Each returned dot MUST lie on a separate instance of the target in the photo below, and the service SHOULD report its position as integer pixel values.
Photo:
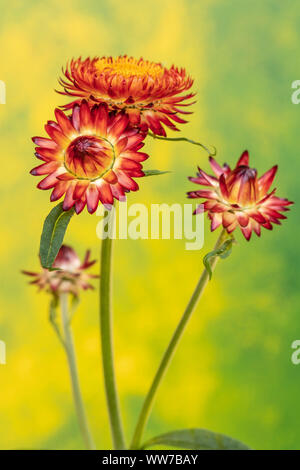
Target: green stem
(184, 139)
(166, 359)
(70, 351)
(107, 344)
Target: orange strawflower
(69, 275)
(237, 198)
(148, 92)
(91, 156)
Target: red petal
(64, 122)
(126, 181)
(244, 159)
(59, 190)
(223, 186)
(242, 218)
(44, 142)
(110, 177)
(202, 193)
(101, 117)
(136, 156)
(76, 118)
(118, 127)
(127, 164)
(265, 181)
(92, 198)
(105, 193)
(217, 169)
(80, 189)
(117, 191)
(228, 219)
(85, 117)
(57, 136)
(80, 205)
(69, 201)
(247, 231)
(257, 216)
(216, 221)
(45, 168)
(48, 182)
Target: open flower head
(238, 198)
(149, 93)
(69, 274)
(90, 156)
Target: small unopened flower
(91, 156)
(238, 198)
(69, 274)
(148, 92)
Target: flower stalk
(71, 357)
(107, 342)
(168, 355)
(184, 139)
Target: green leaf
(196, 439)
(54, 229)
(154, 172)
(223, 251)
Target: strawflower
(65, 281)
(149, 93)
(68, 274)
(238, 198)
(91, 156)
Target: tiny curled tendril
(185, 139)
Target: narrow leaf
(196, 439)
(154, 172)
(54, 229)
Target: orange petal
(110, 177)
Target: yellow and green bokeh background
(232, 372)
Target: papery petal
(68, 200)
(266, 180)
(247, 231)
(217, 169)
(64, 123)
(92, 198)
(126, 181)
(244, 159)
(105, 193)
(216, 221)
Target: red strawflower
(237, 198)
(148, 92)
(69, 275)
(91, 156)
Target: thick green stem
(107, 345)
(166, 359)
(70, 351)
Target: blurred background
(232, 372)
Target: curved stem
(107, 343)
(70, 351)
(183, 139)
(166, 359)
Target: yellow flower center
(128, 67)
(89, 157)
